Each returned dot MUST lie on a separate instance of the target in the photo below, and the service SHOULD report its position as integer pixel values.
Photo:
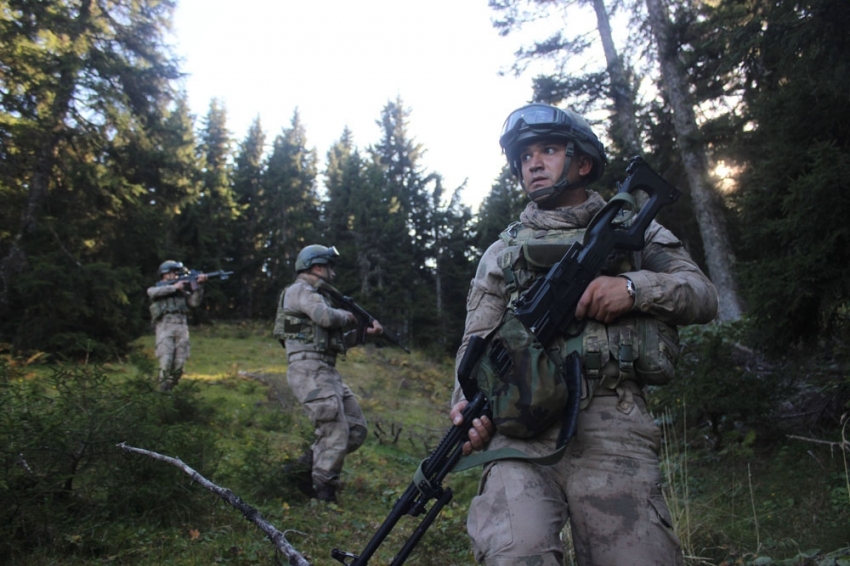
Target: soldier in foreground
(607, 483)
(312, 330)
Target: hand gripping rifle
(192, 278)
(364, 319)
(546, 309)
(427, 483)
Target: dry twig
(278, 538)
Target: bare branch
(278, 538)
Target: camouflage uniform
(312, 346)
(608, 484)
(168, 311)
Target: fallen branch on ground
(278, 538)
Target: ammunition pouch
(172, 304)
(523, 381)
(636, 347)
(297, 326)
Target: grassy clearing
(752, 503)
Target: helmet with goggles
(171, 265)
(315, 255)
(536, 122)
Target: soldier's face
(325, 272)
(542, 165)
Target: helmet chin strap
(546, 196)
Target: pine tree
(795, 64)
(248, 242)
(719, 255)
(502, 206)
(93, 140)
(401, 261)
(290, 205)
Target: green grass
(753, 503)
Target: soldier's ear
(585, 165)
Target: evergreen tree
(796, 154)
(403, 272)
(708, 207)
(248, 241)
(206, 225)
(454, 269)
(354, 213)
(502, 206)
(94, 142)
(339, 186)
(290, 205)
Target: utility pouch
(329, 341)
(523, 381)
(156, 310)
(635, 347)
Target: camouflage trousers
(172, 348)
(607, 485)
(340, 427)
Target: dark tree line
(758, 85)
(104, 173)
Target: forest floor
(783, 501)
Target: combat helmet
(169, 266)
(543, 121)
(315, 255)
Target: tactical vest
(299, 327)
(636, 347)
(174, 303)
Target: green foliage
(60, 467)
(233, 419)
(793, 195)
(717, 384)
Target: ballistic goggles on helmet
(540, 119)
(330, 254)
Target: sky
(339, 62)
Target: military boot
(301, 472)
(325, 492)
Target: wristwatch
(630, 288)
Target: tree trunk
(712, 226)
(626, 132)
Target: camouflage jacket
(302, 300)
(668, 283)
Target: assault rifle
(427, 483)
(546, 309)
(192, 277)
(364, 319)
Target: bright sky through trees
(340, 61)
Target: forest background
(104, 173)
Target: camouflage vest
(299, 327)
(532, 395)
(174, 303)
